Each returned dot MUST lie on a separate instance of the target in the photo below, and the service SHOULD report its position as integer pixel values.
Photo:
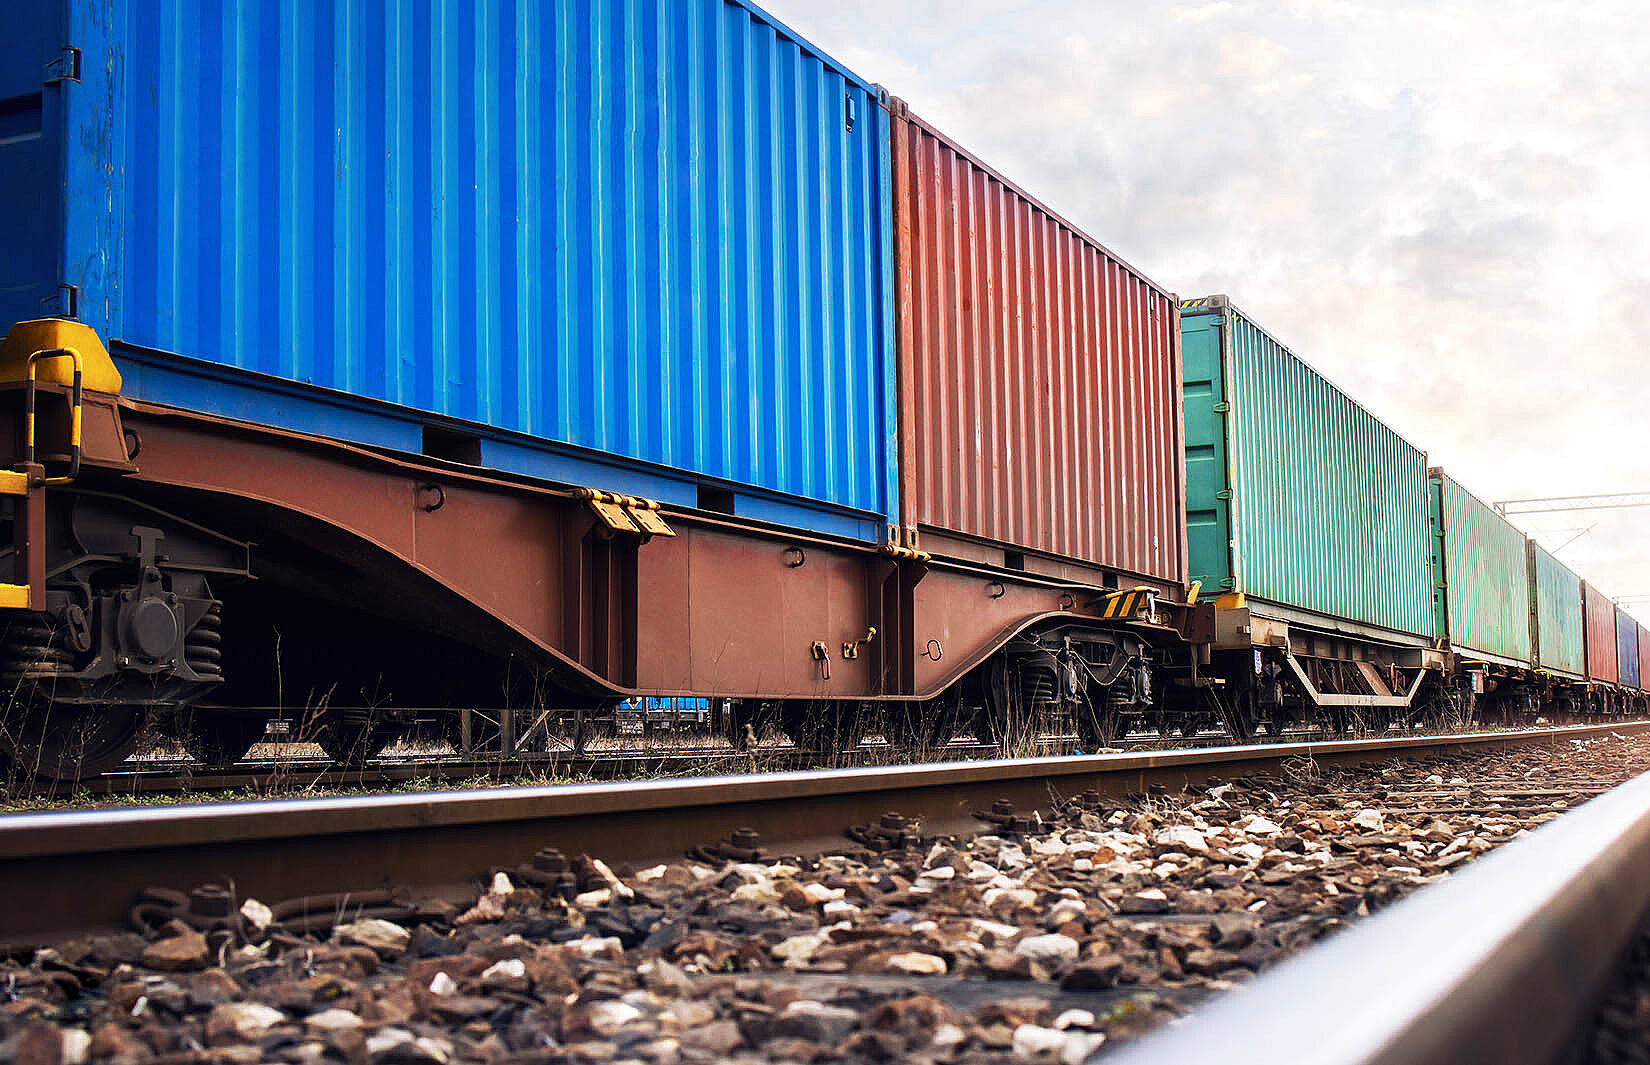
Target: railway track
(1536, 954)
(273, 776)
(80, 870)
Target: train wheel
(223, 737)
(62, 741)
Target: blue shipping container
(578, 229)
(1627, 649)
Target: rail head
(39, 834)
(1502, 962)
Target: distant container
(1627, 649)
(635, 245)
(1601, 635)
(1039, 372)
(1298, 497)
(1559, 627)
(1644, 657)
(1481, 566)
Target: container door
(1208, 472)
(33, 67)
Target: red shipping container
(1601, 634)
(1039, 376)
(1644, 658)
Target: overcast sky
(1445, 211)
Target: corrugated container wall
(1561, 638)
(1627, 649)
(1644, 657)
(1039, 373)
(1482, 569)
(1601, 634)
(658, 231)
(1297, 495)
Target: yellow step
(14, 597)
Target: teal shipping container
(1556, 617)
(1481, 568)
(1297, 496)
(640, 246)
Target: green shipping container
(1297, 496)
(1555, 606)
(1482, 569)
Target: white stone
(257, 914)
(592, 945)
(1019, 896)
(948, 1035)
(796, 950)
(1052, 947)
(602, 896)
(995, 929)
(1082, 865)
(654, 873)
(507, 970)
(501, 885)
(1369, 818)
(1069, 910)
(1080, 1046)
(941, 872)
(760, 892)
(1052, 846)
(1253, 852)
(375, 933)
(1181, 836)
(248, 1020)
(620, 888)
(838, 909)
(443, 985)
(333, 1020)
(821, 893)
(1260, 826)
(917, 964)
(609, 1015)
(76, 1045)
(981, 871)
(1032, 1041)
(1074, 1019)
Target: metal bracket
(821, 654)
(1322, 699)
(851, 650)
(66, 67)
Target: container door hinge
(66, 67)
(1222, 408)
(850, 111)
(64, 303)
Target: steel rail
(1504, 962)
(64, 874)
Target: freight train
(392, 363)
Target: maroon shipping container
(1601, 634)
(1644, 658)
(1039, 376)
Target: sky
(1445, 208)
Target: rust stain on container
(1039, 373)
(1601, 634)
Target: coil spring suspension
(1037, 685)
(203, 647)
(28, 653)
